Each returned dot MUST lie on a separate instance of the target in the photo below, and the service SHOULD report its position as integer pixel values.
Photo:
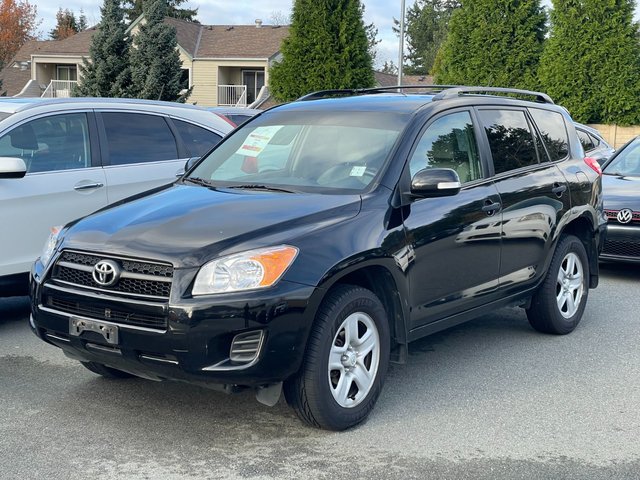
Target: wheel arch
(380, 279)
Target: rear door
(533, 191)
(63, 182)
(455, 240)
(139, 152)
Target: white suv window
(57, 142)
(138, 138)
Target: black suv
(317, 240)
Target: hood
(621, 192)
(188, 225)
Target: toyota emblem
(625, 216)
(106, 273)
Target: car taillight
(593, 164)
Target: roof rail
(459, 91)
(364, 91)
(327, 94)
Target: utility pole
(401, 49)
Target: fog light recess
(245, 347)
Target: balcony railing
(232, 95)
(59, 88)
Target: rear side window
(138, 138)
(554, 133)
(510, 139)
(586, 141)
(198, 140)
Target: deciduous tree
(493, 42)
(591, 62)
(327, 48)
(17, 25)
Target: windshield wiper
(257, 186)
(199, 181)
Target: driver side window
(449, 142)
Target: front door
(455, 240)
(254, 81)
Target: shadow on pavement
(13, 308)
(628, 271)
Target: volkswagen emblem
(625, 215)
(106, 273)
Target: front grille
(138, 277)
(612, 216)
(621, 248)
(109, 314)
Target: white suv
(61, 159)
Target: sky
(245, 12)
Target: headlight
(50, 245)
(249, 270)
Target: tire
(105, 371)
(559, 303)
(351, 330)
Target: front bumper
(622, 243)
(194, 344)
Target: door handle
(490, 207)
(559, 189)
(88, 186)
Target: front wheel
(345, 363)
(559, 303)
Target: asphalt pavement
(490, 399)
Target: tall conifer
(591, 63)
(155, 62)
(493, 43)
(106, 73)
(327, 48)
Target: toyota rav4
(314, 243)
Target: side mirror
(11, 167)
(435, 182)
(188, 164)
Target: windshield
(304, 151)
(4, 115)
(627, 162)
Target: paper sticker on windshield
(357, 171)
(257, 140)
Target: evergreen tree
(326, 48)
(591, 62)
(82, 21)
(493, 42)
(107, 73)
(134, 8)
(155, 62)
(427, 24)
(66, 25)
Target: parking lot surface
(485, 400)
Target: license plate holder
(108, 331)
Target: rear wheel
(559, 303)
(345, 363)
(105, 371)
